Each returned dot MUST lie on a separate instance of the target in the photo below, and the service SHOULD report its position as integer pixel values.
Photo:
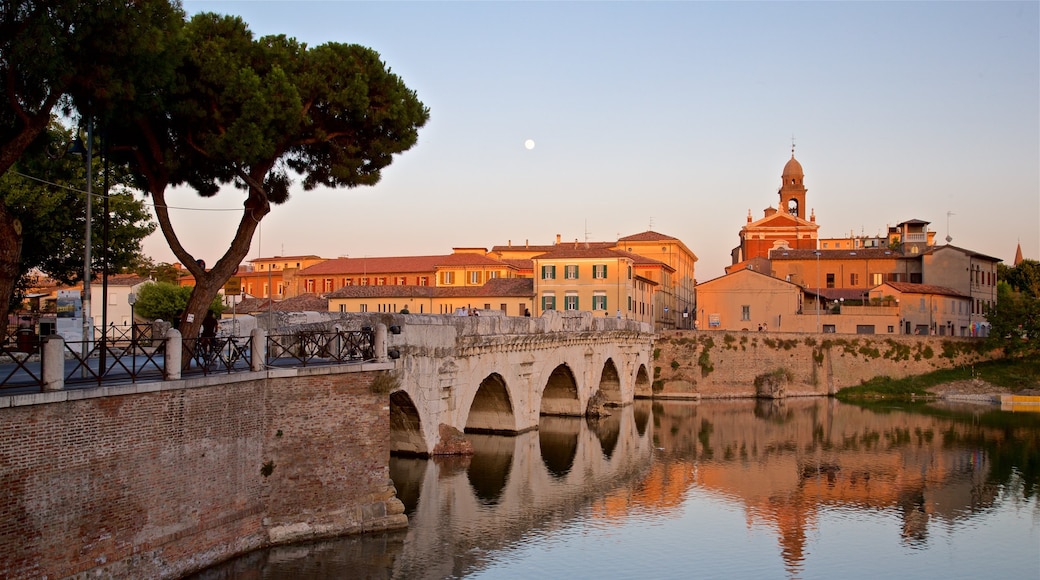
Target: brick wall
(724, 364)
(138, 482)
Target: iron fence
(136, 356)
(314, 347)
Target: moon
(529, 144)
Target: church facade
(784, 226)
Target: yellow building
(596, 279)
(675, 300)
(658, 258)
(511, 296)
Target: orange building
(785, 227)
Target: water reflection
(721, 472)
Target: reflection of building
(784, 462)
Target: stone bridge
(496, 374)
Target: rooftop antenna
(948, 237)
(587, 232)
(651, 223)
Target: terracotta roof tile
(911, 288)
(647, 236)
(396, 264)
(564, 251)
(520, 287)
(302, 303)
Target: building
(786, 227)
(660, 258)
(596, 279)
(275, 277)
(510, 296)
(461, 269)
(928, 309)
(967, 273)
(747, 300)
(841, 274)
(676, 297)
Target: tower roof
(793, 168)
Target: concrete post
(258, 352)
(174, 355)
(53, 359)
(379, 343)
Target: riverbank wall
(161, 480)
(720, 364)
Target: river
(803, 488)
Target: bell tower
(792, 188)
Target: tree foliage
(52, 213)
(166, 301)
(257, 114)
(201, 103)
(95, 56)
(1015, 318)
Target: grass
(1014, 374)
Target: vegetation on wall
(385, 382)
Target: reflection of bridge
(499, 375)
(529, 481)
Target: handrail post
(174, 354)
(379, 343)
(53, 363)
(258, 352)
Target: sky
(671, 116)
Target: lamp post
(88, 151)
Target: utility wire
(102, 195)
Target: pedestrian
(209, 330)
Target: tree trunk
(10, 257)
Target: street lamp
(88, 319)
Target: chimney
(557, 239)
(509, 243)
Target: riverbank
(987, 380)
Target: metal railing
(137, 356)
(308, 347)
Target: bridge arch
(491, 410)
(558, 444)
(643, 387)
(406, 436)
(610, 384)
(560, 394)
